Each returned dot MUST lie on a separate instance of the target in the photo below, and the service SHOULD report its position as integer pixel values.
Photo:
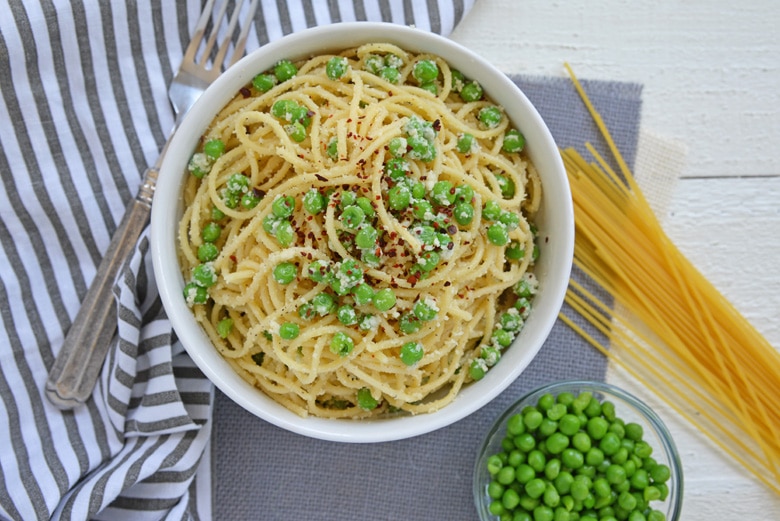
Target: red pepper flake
(452, 229)
(437, 125)
(245, 92)
(321, 177)
(233, 258)
(447, 283)
(412, 279)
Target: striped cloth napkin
(84, 110)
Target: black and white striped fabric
(83, 111)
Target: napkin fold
(84, 110)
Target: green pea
(341, 344)
(336, 67)
(551, 496)
(610, 443)
(347, 315)
(365, 400)
(285, 272)
(373, 63)
(211, 232)
(296, 131)
(207, 251)
(533, 419)
(283, 108)
(306, 311)
(421, 147)
(602, 488)
(660, 473)
(640, 479)
(396, 168)
(264, 82)
(224, 327)
(491, 210)
(289, 330)
(390, 74)
(524, 441)
(425, 310)
(497, 234)
(199, 165)
(514, 251)
(384, 299)
(471, 91)
(569, 424)
(634, 431)
(284, 70)
(397, 146)
(204, 275)
(597, 427)
(408, 323)
(465, 144)
(431, 87)
(556, 411)
(323, 304)
(425, 70)
(411, 353)
(214, 148)
(506, 185)
(572, 458)
(363, 294)
(352, 217)
(418, 190)
(428, 261)
(283, 206)
(314, 202)
(249, 200)
(195, 294)
(502, 337)
(217, 214)
(457, 80)
(615, 474)
(535, 488)
(581, 441)
(319, 271)
(510, 321)
(594, 457)
(443, 193)
(477, 369)
(399, 197)
(490, 116)
(514, 141)
(556, 443)
(563, 481)
(285, 235)
(366, 237)
(422, 210)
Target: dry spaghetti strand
(701, 356)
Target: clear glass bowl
(627, 407)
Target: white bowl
(555, 222)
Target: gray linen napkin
(263, 472)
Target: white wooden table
(711, 76)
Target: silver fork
(73, 376)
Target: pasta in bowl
(361, 230)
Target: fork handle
(75, 371)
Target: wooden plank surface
(710, 72)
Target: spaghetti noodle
(690, 345)
(357, 235)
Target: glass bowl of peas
(578, 451)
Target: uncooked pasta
(357, 236)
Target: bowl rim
(164, 216)
(668, 446)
